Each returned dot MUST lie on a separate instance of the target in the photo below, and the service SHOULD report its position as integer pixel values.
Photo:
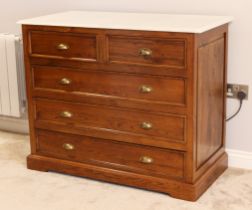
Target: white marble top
(131, 21)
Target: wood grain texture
(208, 40)
(164, 90)
(113, 135)
(164, 52)
(45, 44)
(107, 153)
(186, 107)
(103, 50)
(210, 99)
(174, 188)
(110, 119)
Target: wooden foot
(31, 164)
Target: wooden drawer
(121, 122)
(161, 90)
(111, 154)
(139, 50)
(63, 45)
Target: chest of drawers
(135, 107)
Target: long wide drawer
(122, 122)
(162, 90)
(122, 156)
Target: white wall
(239, 136)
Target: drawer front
(163, 90)
(107, 153)
(147, 51)
(125, 122)
(63, 45)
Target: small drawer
(63, 45)
(128, 157)
(122, 122)
(157, 52)
(161, 90)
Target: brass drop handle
(65, 81)
(145, 89)
(63, 46)
(66, 114)
(145, 52)
(68, 146)
(146, 159)
(146, 125)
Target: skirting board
(14, 125)
(239, 159)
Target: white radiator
(12, 84)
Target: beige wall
(240, 53)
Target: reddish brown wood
(165, 90)
(113, 135)
(172, 187)
(46, 44)
(111, 154)
(210, 99)
(109, 100)
(187, 106)
(126, 122)
(103, 49)
(164, 52)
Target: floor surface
(23, 189)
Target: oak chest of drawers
(136, 107)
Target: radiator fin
(12, 88)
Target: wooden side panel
(211, 77)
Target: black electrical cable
(240, 95)
(236, 113)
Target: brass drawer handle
(146, 159)
(66, 114)
(68, 146)
(63, 46)
(145, 52)
(146, 125)
(145, 89)
(65, 81)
